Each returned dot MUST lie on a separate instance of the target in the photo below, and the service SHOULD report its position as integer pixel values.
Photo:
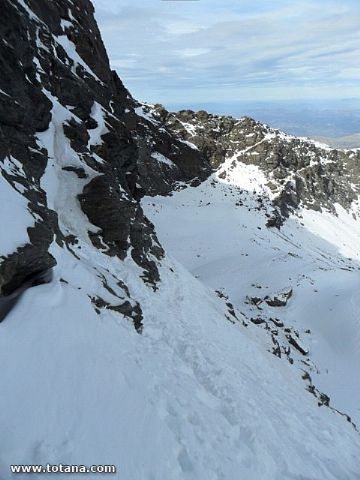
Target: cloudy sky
(225, 50)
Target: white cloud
(192, 52)
(241, 48)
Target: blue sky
(233, 50)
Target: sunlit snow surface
(229, 248)
(194, 396)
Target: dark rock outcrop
(63, 111)
(300, 172)
(8, 301)
(280, 299)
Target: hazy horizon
(311, 118)
(292, 64)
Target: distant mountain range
(336, 122)
(347, 142)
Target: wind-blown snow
(71, 52)
(146, 115)
(189, 144)
(97, 113)
(159, 157)
(62, 187)
(65, 24)
(247, 177)
(28, 10)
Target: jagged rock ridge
(300, 172)
(57, 89)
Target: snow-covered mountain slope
(74, 141)
(218, 232)
(196, 396)
(128, 356)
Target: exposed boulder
(280, 299)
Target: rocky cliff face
(75, 144)
(300, 172)
(72, 139)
